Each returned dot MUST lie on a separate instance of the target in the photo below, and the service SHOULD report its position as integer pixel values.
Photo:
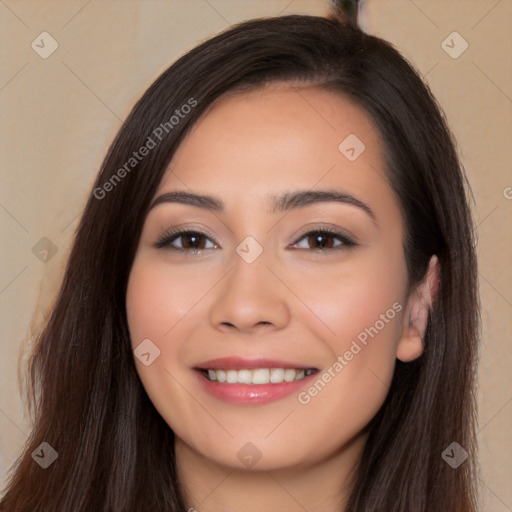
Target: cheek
(157, 299)
(358, 313)
(346, 301)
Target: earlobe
(410, 345)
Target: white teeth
(232, 376)
(258, 376)
(276, 375)
(244, 376)
(289, 375)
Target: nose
(250, 297)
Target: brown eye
(190, 241)
(322, 240)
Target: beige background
(59, 114)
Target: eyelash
(174, 233)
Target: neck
(211, 487)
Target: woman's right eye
(191, 241)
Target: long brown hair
(115, 452)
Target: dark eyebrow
(299, 199)
(286, 202)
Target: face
(267, 320)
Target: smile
(257, 376)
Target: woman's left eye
(324, 239)
(195, 241)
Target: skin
(293, 305)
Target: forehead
(277, 138)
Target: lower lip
(251, 394)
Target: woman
(271, 300)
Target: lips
(239, 363)
(252, 381)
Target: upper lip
(239, 363)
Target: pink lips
(239, 363)
(249, 394)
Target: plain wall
(59, 114)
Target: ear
(419, 303)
